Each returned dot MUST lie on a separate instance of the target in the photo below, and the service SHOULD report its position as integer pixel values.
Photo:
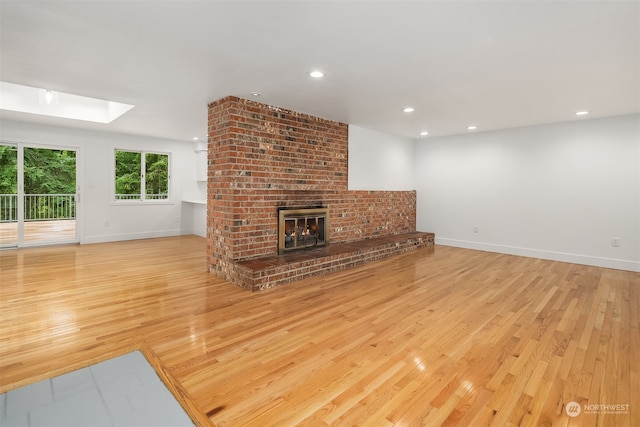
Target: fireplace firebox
(302, 228)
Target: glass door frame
(14, 243)
(20, 146)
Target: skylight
(26, 99)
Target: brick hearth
(263, 157)
(267, 272)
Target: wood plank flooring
(438, 336)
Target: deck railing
(8, 207)
(38, 207)
(161, 196)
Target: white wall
(378, 161)
(558, 191)
(100, 218)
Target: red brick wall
(263, 157)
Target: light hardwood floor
(440, 336)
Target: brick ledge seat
(268, 272)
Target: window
(141, 176)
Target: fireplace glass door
(302, 229)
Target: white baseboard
(618, 264)
(104, 238)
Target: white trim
(104, 238)
(618, 264)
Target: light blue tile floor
(124, 391)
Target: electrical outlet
(476, 228)
(615, 242)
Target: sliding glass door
(38, 200)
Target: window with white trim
(141, 175)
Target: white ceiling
(496, 64)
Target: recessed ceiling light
(424, 133)
(581, 113)
(26, 99)
(255, 94)
(472, 127)
(195, 138)
(316, 74)
(408, 109)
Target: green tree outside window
(141, 176)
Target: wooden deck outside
(54, 231)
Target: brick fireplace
(263, 158)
